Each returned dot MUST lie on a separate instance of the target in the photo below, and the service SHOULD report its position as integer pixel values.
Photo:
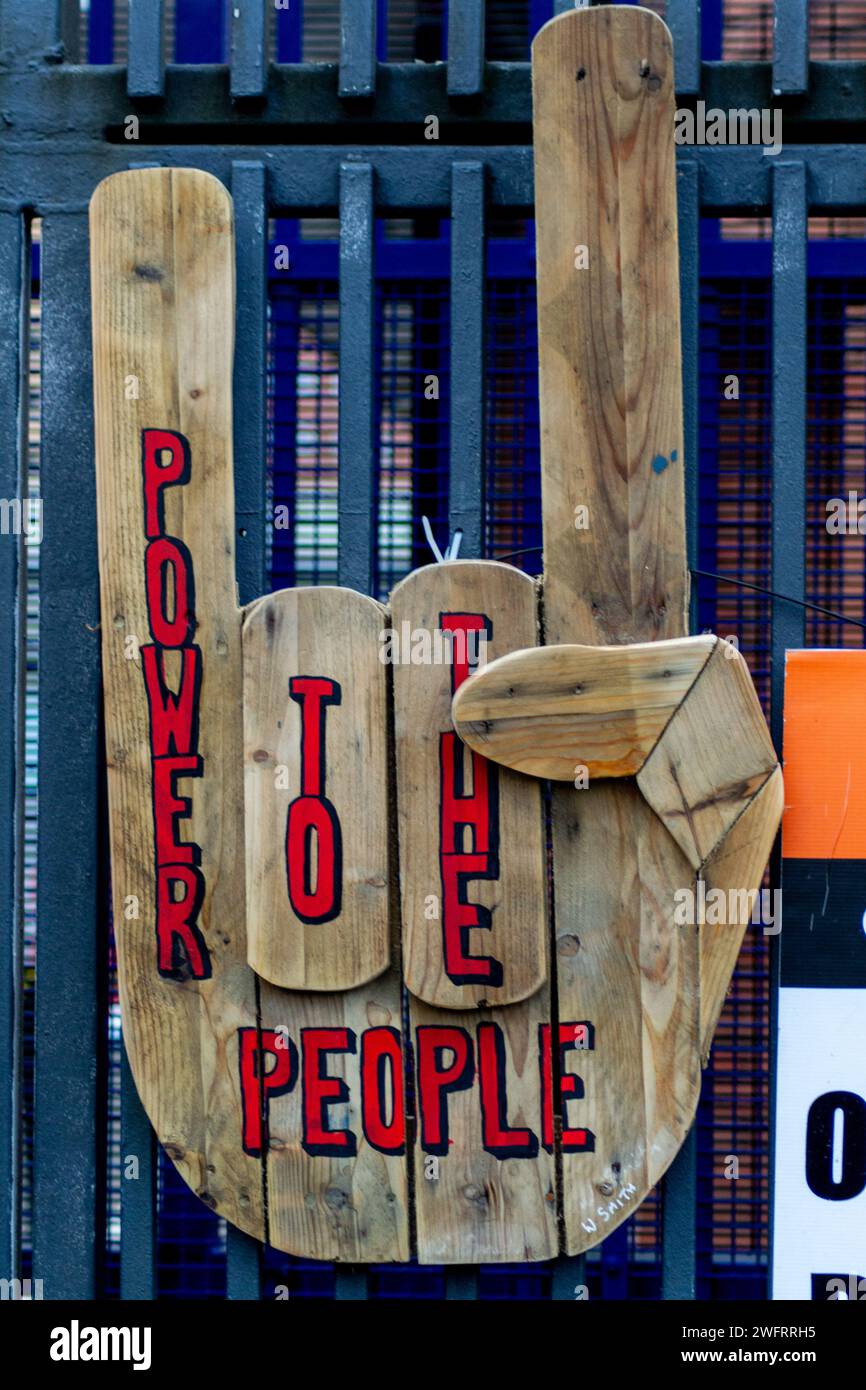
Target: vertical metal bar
(145, 69)
(29, 30)
(248, 49)
(790, 324)
(357, 48)
(790, 383)
(461, 1283)
(568, 1282)
(242, 1266)
(357, 522)
(465, 47)
(679, 1191)
(466, 481)
(71, 898)
(70, 32)
(350, 1283)
(790, 47)
(679, 1197)
(249, 191)
(688, 205)
(14, 292)
(683, 18)
(137, 1193)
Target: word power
(174, 716)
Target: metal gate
(446, 147)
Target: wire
(729, 579)
(785, 598)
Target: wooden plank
(609, 333)
(615, 570)
(550, 711)
(712, 758)
(163, 309)
(316, 789)
(336, 1163)
(738, 864)
(626, 968)
(495, 848)
(484, 1166)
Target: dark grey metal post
(357, 522)
(791, 47)
(72, 904)
(145, 66)
(248, 49)
(249, 193)
(466, 477)
(30, 30)
(137, 1193)
(789, 420)
(350, 1283)
(679, 1202)
(568, 1279)
(465, 47)
(461, 1283)
(14, 294)
(357, 48)
(688, 206)
(788, 575)
(683, 18)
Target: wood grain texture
(711, 759)
(163, 329)
(548, 710)
(624, 966)
(515, 897)
(609, 334)
(470, 1204)
(612, 443)
(737, 868)
(335, 1207)
(341, 937)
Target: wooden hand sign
(265, 879)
